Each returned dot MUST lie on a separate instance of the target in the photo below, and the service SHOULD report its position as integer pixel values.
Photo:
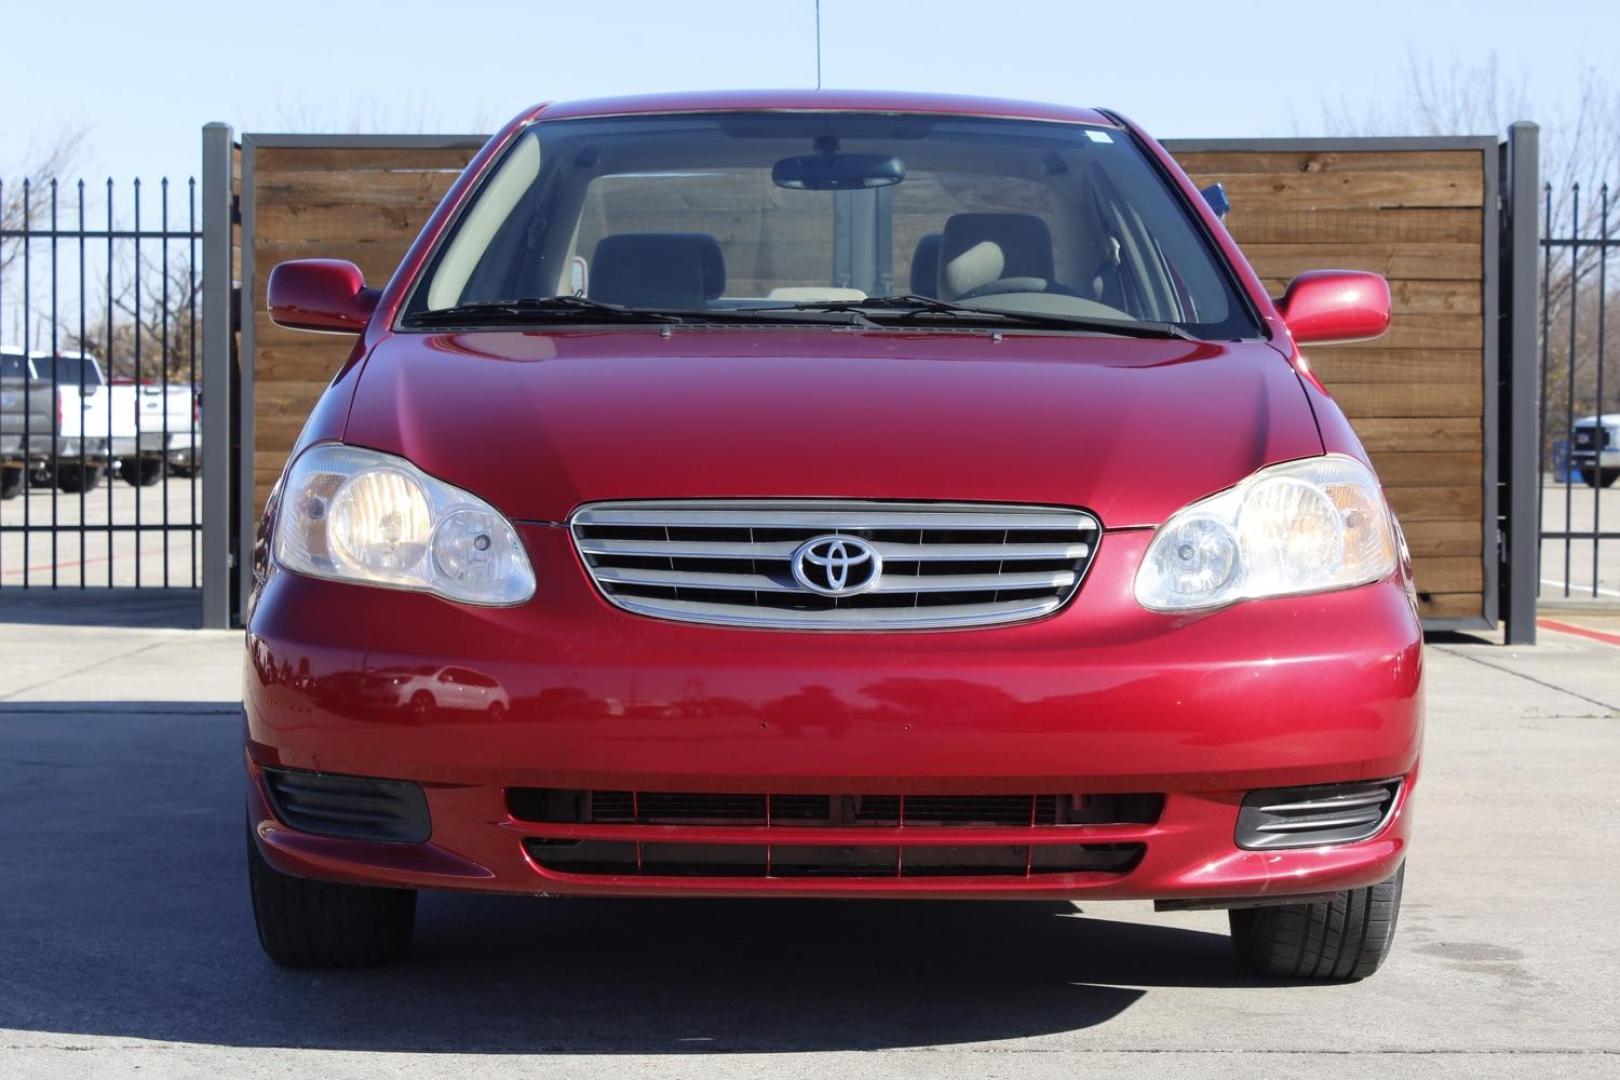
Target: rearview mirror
(326, 295)
(834, 171)
(1325, 307)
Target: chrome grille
(730, 562)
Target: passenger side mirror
(325, 295)
(1325, 307)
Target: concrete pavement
(126, 944)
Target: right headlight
(1300, 527)
(352, 514)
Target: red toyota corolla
(830, 495)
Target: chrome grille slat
(890, 583)
(794, 516)
(783, 549)
(902, 618)
(731, 562)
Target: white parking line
(1573, 588)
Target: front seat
(658, 270)
(980, 249)
(925, 266)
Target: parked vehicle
(1594, 452)
(796, 582)
(156, 430)
(53, 420)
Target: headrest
(977, 249)
(925, 266)
(658, 270)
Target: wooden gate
(1418, 211)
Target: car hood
(539, 423)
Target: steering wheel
(1020, 285)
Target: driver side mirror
(1325, 307)
(325, 295)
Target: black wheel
(1344, 938)
(1600, 477)
(77, 476)
(11, 481)
(321, 924)
(140, 472)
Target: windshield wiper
(912, 306)
(585, 310)
(535, 309)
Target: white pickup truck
(54, 415)
(154, 425)
(142, 428)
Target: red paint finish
(1326, 307)
(538, 423)
(1100, 697)
(327, 295)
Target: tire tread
(1345, 937)
(322, 924)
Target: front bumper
(1101, 697)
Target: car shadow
(123, 912)
(175, 608)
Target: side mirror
(327, 295)
(1325, 307)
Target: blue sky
(141, 78)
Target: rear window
(69, 370)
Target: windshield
(799, 211)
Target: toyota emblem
(837, 565)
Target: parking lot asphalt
(166, 544)
(126, 944)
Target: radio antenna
(818, 44)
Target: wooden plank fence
(1419, 397)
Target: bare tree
(27, 198)
(149, 327)
(1580, 154)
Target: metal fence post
(219, 330)
(1521, 413)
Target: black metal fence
(1580, 398)
(100, 334)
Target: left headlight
(351, 514)
(1299, 527)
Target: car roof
(822, 101)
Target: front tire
(1346, 937)
(11, 481)
(322, 924)
(140, 472)
(1600, 477)
(77, 476)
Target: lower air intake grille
(840, 565)
(1310, 816)
(561, 805)
(618, 858)
(680, 848)
(349, 807)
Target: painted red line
(45, 568)
(1579, 631)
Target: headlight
(352, 514)
(1300, 527)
